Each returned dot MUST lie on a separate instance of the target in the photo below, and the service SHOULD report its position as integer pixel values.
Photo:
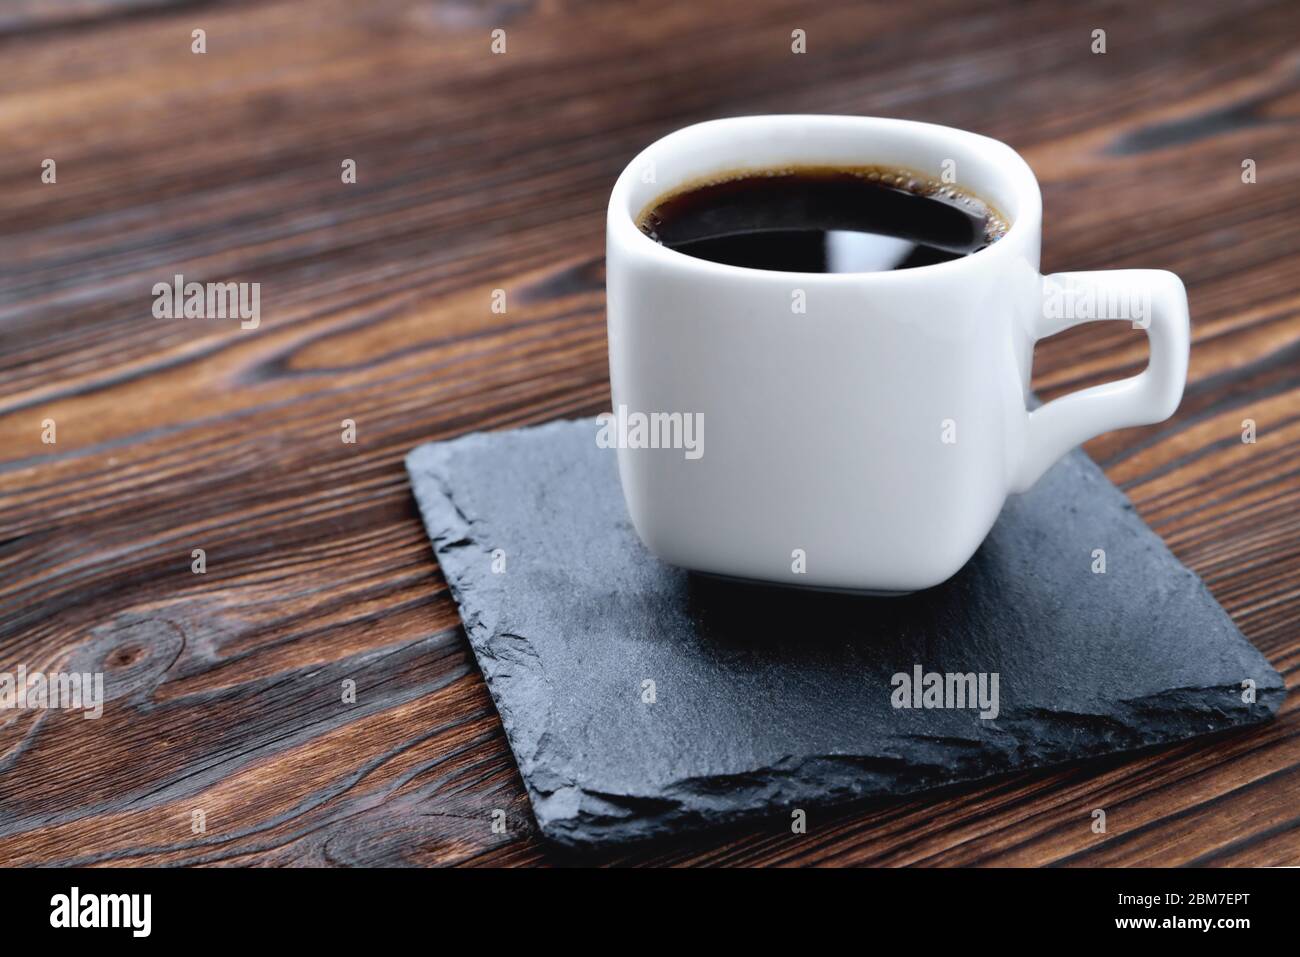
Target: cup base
(798, 586)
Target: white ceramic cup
(869, 441)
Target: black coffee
(816, 219)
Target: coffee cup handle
(1151, 396)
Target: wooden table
(478, 171)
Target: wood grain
(477, 172)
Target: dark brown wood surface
(478, 171)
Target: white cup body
(866, 442)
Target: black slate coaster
(768, 698)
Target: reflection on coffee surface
(823, 219)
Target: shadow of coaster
(767, 699)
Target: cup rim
(622, 227)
